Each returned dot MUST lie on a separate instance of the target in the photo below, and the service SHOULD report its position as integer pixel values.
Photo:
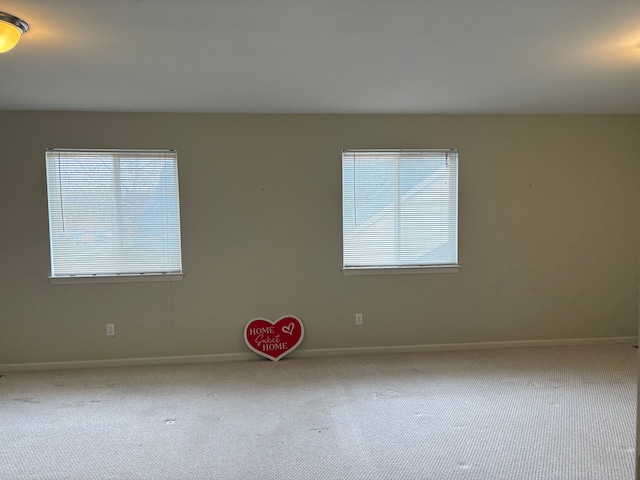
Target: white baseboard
(127, 362)
(318, 352)
(452, 347)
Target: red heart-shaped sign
(274, 340)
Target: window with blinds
(113, 212)
(400, 208)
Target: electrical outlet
(111, 330)
(358, 319)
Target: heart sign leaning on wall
(274, 340)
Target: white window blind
(400, 208)
(113, 212)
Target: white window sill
(165, 277)
(400, 270)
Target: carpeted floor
(539, 413)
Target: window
(113, 213)
(400, 209)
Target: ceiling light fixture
(11, 29)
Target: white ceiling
(325, 56)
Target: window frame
(401, 269)
(168, 276)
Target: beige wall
(548, 235)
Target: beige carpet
(539, 413)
